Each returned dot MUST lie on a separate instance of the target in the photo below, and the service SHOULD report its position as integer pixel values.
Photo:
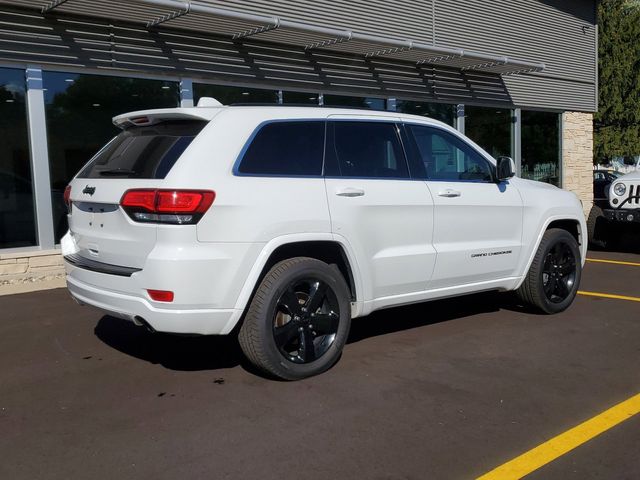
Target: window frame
(418, 164)
(247, 144)
(331, 162)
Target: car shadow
(423, 314)
(625, 242)
(175, 352)
(193, 353)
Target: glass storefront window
(79, 110)
(227, 95)
(541, 146)
(17, 214)
(490, 128)
(355, 102)
(300, 98)
(438, 111)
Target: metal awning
(189, 15)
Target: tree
(617, 123)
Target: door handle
(449, 193)
(349, 192)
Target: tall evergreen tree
(617, 123)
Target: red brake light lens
(180, 207)
(161, 295)
(67, 196)
(145, 199)
(140, 120)
(187, 202)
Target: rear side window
(294, 148)
(143, 152)
(367, 150)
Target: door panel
(389, 227)
(386, 217)
(477, 234)
(477, 222)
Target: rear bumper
(188, 321)
(623, 215)
(205, 278)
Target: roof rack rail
(311, 105)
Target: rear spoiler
(143, 118)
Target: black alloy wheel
(306, 320)
(553, 278)
(559, 272)
(298, 320)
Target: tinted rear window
(286, 148)
(143, 152)
(368, 150)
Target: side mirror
(505, 168)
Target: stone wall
(577, 156)
(23, 271)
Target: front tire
(298, 320)
(552, 281)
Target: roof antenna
(208, 102)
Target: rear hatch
(140, 157)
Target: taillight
(67, 197)
(184, 202)
(161, 295)
(178, 207)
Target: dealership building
(519, 77)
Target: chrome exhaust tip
(141, 322)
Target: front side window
(368, 150)
(446, 157)
(292, 148)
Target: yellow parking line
(608, 295)
(615, 262)
(565, 442)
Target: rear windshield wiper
(117, 171)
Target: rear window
(286, 148)
(143, 152)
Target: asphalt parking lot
(444, 390)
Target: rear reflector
(161, 295)
(67, 197)
(179, 207)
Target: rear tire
(298, 320)
(552, 281)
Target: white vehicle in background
(284, 223)
(624, 199)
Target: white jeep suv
(284, 223)
(624, 199)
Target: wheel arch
(324, 247)
(573, 224)
(570, 225)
